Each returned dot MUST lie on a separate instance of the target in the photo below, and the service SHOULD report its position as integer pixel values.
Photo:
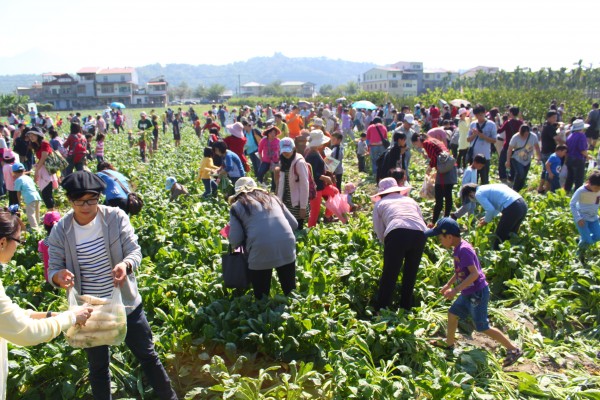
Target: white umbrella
(458, 102)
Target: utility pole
(239, 85)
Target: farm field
(324, 341)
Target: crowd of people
(283, 162)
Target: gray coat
(269, 234)
(119, 239)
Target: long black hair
(256, 196)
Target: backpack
(312, 186)
(79, 149)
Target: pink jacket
(298, 182)
(269, 154)
(9, 180)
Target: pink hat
(8, 154)
(51, 218)
(389, 185)
(236, 129)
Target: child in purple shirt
(473, 288)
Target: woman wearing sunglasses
(25, 327)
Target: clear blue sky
(59, 35)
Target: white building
(300, 89)
(434, 78)
(391, 80)
(116, 84)
(251, 89)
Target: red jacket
(236, 145)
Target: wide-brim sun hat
(236, 130)
(272, 128)
(36, 131)
(578, 125)
(389, 185)
(317, 138)
(244, 185)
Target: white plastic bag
(428, 188)
(107, 324)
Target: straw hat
(244, 185)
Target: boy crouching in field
(473, 288)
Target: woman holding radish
(92, 249)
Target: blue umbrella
(116, 104)
(364, 104)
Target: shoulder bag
(236, 274)
(471, 151)
(55, 162)
(384, 141)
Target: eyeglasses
(18, 240)
(81, 203)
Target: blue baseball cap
(446, 226)
(16, 167)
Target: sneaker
(511, 357)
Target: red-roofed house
(97, 87)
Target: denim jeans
(255, 163)
(474, 305)
(77, 166)
(264, 168)
(375, 152)
(210, 187)
(589, 233)
(502, 166)
(361, 163)
(545, 158)
(139, 341)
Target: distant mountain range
(265, 70)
